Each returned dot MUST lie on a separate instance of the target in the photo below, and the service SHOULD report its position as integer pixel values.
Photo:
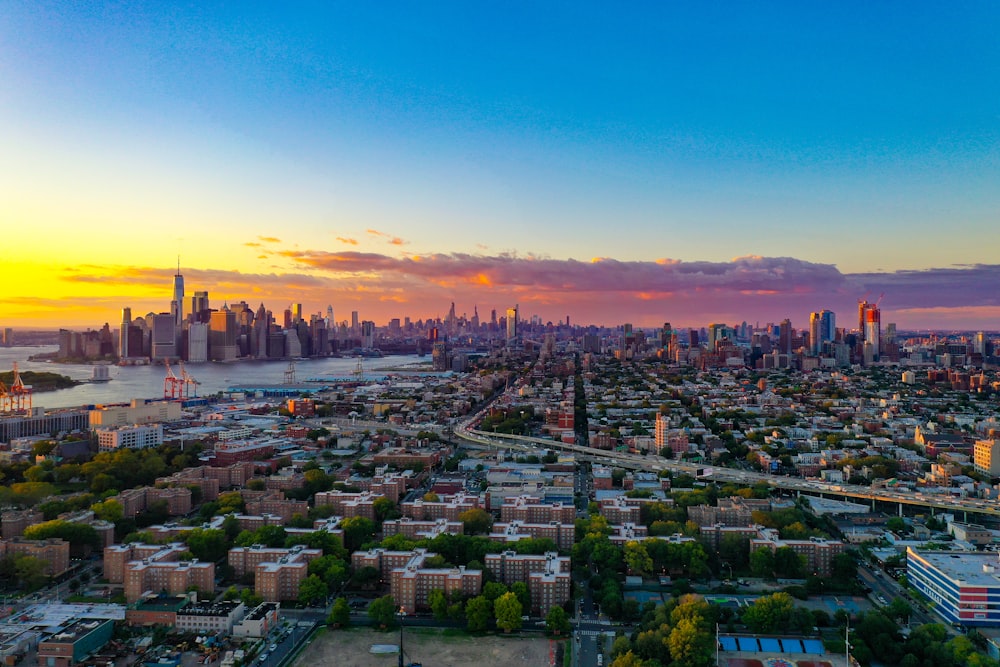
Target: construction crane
(190, 384)
(17, 398)
(173, 386)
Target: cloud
(348, 241)
(601, 290)
(743, 274)
(390, 239)
(269, 239)
(961, 286)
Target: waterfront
(128, 382)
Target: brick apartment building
(410, 582)
(420, 530)
(547, 576)
(277, 572)
(819, 553)
(13, 522)
(177, 577)
(54, 551)
(136, 501)
(285, 509)
(530, 509)
(402, 458)
(562, 534)
(448, 507)
(348, 504)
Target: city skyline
(642, 165)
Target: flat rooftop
(965, 567)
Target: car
(273, 647)
(263, 656)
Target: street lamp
(402, 615)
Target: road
(963, 506)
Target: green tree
(312, 590)
(637, 559)
(478, 612)
(385, 509)
(109, 510)
(30, 572)
(207, 544)
(340, 614)
(476, 521)
(493, 590)
(357, 531)
(762, 562)
(438, 602)
(81, 537)
(507, 610)
(769, 613)
(520, 589)
(557, 621)
(382, 611)
(788, 563)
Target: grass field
(350, 648)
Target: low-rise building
(74, 643)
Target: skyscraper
(815, 334)
(199, 307)
(222, 335)
(828, 326)
(785, 337)
(873, 329)
(177, 305)
(512, 323)
(123, 351)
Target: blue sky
(840, 133)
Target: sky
(606, 162)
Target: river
(128, 382)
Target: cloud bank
(602, 290)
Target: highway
(865, 494)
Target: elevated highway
(963, 507)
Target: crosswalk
(595, 633)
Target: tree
(493, 590)
(477, 521)
(768, 613)
(340, 614)
(637, 559)
(208, 544)
(557, 621)
(382, 611)
(312, 590)
(438, 602)
(385, 509)
(30, 571)
(507, 610)
(628, 659)
(109, 510)
(788, 563)
(357, 531)
(520, 589)
(896, 524)
(762, 562)
(690, 645)
(478, 612)
(81, 537)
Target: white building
(130, 437)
